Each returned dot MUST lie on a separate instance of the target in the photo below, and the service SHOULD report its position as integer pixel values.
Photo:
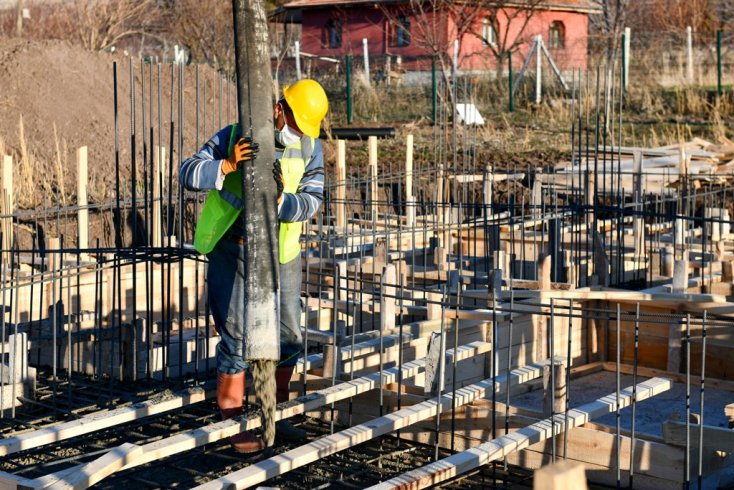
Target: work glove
(244, 150)
(278, 178)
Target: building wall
(373, 23)
(475, 55)
(357, 23)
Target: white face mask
(287, 136)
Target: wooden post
(667, 259)
(8, 205)
(341, 196)
(538, 69)
(372, 148)
(626, 47)
(439, 258)
(410, 212)
(675, 342)
(82, 199)
(366, 54)
(555, 399)
(561, 475)
(727, 271)
(570, 268)
(159, 184)
(297, 56)
(544, 273)
(639, 223)
(343, 276)
(729, 413)
(679, 233)
(689, 51)
(409, 198)
(409, 167)
(590, 192)
(439, 191)
(387, 298)
(487, 190)
(433, 305)
(17, 370)
(332, 365)
(536, 198)
(680, 274)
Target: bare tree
(101, 24)
(611, 24)
(205, 27)
(514, 17)
(508, 20)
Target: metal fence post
(348, 74)
(719, 88)
(511, 106)
(434, 90)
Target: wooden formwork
(510, 309)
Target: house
(402, 32)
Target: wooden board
(95, 471)
(102, 420)
(211, 433)
(308, 453)
(714, 438)
(483, 454)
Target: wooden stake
(341, 196)
(372, 148)
(8, 205)
(159, 185)
(81, 198)
(409, 167)
(555, 399)
(387, 298)
(544, 273)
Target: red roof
(585, 6)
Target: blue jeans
(226, 282)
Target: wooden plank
(340, 441)
(720, 384)
(341, 195)
(714, 438)
(102, 420)
(493, 450)
(213, 432)
(102, 467)
(597, 473)
(14, 482)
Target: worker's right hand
(243, 151)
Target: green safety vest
(222, 207)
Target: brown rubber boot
(284, 428)
(230, 392)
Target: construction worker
(299, 175)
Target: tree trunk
(254, 89)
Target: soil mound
(64, 95)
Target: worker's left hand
(278, 178)
(243, 151)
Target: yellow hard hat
(309, 104)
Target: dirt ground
(64, 95)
